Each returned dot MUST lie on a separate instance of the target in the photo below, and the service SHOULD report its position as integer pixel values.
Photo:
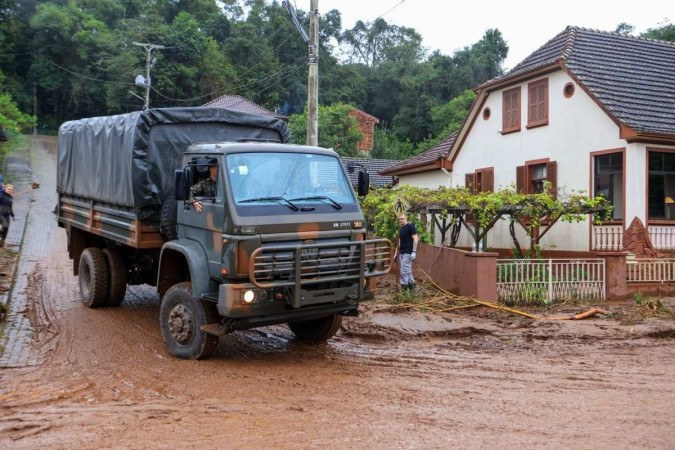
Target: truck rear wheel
(118, 276)
(181, 316)
(93, 277)
(317, 329)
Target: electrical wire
(293, 66)
(389, 10)
(85, 76)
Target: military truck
(279, 239)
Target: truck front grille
(299, 265)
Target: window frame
(534, 101)
(593, 179)
(514, 112)
(655, 220)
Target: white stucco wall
(431, 180)
(577, 126)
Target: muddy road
(103, 378)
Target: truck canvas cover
(129, 159)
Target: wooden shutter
(537, 102)
(470, 182)
(552, 177)
(488, 181)
(511, 110)
(521, 180)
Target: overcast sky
(525, 24)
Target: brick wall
(367, 128)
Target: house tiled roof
(373, 166)
(632, 78)
(239, 103)
(429, 158)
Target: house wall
(576, 127)
(431, 180)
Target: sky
(525, 24)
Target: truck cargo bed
(109, 221)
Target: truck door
(202, 216)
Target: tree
(374, 43)
(663, 33)
(338, 129)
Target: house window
(532, 177)
(511, 110)
(537, 178)
(609, 180)
(537, 103)
(661, 186)
(482, 180)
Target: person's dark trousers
(4, 228)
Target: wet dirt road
(103, 378)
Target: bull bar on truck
(298, 266)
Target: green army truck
(279, 238)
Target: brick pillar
(479, 276)
(615, 275)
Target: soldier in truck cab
(207, 186)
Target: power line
(389, 10)
(85, 76)
(292, 67)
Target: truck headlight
(249, 296)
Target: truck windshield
(260, 178)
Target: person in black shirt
(407, 249)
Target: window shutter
(552, 177)
(511, 110)
(521, 181)
(470, 182)
(533, 104)
(488, 181)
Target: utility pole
(148, 63)
(313, 77)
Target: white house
(589, 110)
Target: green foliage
(338, 129)
(378, 206)
(388, 146)
(11, 119)
(662, 33)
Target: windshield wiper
(333, 203)
(281, 200)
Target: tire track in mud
(106, 379)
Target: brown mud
(473, 378)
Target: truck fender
(197, 263)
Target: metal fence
(525, 281)
(650, 270)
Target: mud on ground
(472, 378)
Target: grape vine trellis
(453, 208)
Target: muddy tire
(93, 277)
(117, 273)
(181, 317)
(167, 219)
(317, 329)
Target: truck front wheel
(181, 317)
(93, 277)
(317, 329)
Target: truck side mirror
(364, 183)
(182, 184)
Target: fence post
(615, 275)
(550, 280)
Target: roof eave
(426, 166)
(633, 136)
(507, 80)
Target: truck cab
(278, 237)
